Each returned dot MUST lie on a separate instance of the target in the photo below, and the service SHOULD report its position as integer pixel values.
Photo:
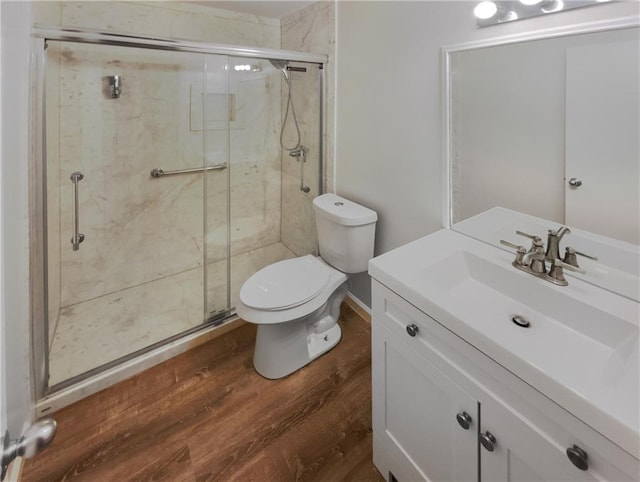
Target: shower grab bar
(161, 173)
(77, 238)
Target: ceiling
(264, 8)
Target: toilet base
(283, 348)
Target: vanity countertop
(616, 268)
(581, 349)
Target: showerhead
(281, 65)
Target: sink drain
(521, 321)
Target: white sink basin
(493, 294)
(581, 348)
(618, 265)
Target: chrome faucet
(553, 242)
(534, 260)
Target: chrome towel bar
(161, 173)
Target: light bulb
(485, 10)
(509, 16)
(554, 7)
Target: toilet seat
(286, 284)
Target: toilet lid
(285, 284)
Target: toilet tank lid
(342, 211)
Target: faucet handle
(537, 246)
(561, 264)
(556, 272)
(520, 252)
(571, 259)
(533, 237)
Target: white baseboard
(359, 307)
(14, 472)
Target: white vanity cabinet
(425, 378)
(415, 409)
(523, 452)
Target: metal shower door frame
(38, 204)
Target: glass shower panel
(121, 125)
(270, 216)
(248, 213)
(219, 112)
(301, 170)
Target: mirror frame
(542, 34)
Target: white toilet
(296, 302)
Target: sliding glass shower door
(136, 160)
(166, 186)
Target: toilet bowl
(296, 302)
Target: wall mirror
(543, 131)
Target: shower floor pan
(98, 331)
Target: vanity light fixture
(500, 11)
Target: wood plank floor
(207, 415)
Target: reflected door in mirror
(602, 147)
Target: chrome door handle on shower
(77, 238)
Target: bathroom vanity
(484, 372)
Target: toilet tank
(346, 232)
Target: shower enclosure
(164, 188)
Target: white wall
(14, 161)
(389, 149)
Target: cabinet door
(522, 452)
(414, 415)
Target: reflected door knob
(464, 420)
(578, 457)
(575, 182)
(488, 441)
(412, 330)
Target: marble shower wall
(179, 20)
(137, 228)
(308, 30)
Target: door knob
(578, 457)
(412, 330)
(488, 441)
(36, 438)
(464, 420)
(575, 182)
